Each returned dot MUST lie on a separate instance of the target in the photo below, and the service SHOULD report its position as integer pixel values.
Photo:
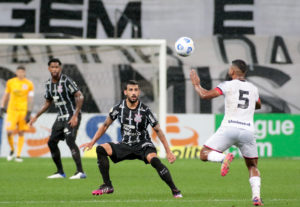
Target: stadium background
(265, 33)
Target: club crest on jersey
(138, 118)
(59, 89)
(25, 87)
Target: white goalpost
(159, 44)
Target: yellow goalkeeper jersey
(18, 93)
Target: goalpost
(158, 44)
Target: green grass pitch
(136, 184)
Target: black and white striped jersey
(134, 122)
(62, 94)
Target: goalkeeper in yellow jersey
(18, 94)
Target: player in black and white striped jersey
(134, 117)
(68, 99)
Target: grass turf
(136, 184)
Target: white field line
(140, 201)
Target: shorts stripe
(212, 149)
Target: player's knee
(155, 162)
(52, 144)
(203, 154)
(71, 143)
(101, 151)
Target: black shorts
(61, 130)
(122, 151)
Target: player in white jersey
(241, 100)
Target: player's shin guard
(163, 172)
(55, 153)
(103, 164)
(75, 154)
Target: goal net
(100, 68)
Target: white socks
(214, 156)
(255, 185)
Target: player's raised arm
(44, 108)
(101, 130)
(203, 93)
(170, 156)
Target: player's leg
(163, 172)
(248, 148)
(255, 180)
(10, 139)
(103, 151)
(22, 126)
(11, 126)
(215, 146)
(70, 135)
(56, 135)
(20, 144)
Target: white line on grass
(139, 201)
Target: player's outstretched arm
(203, 93)
(79, 102)
(44, 108)
(170, 156)
(101, 130)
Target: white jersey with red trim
(240, 100)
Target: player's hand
(27, 118)
(73, 121)
(86, 146)
(194, 77)
(2, 111)
(171, 157)
(32, 120)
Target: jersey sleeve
(151, 118)
(114, 112)
(221, 88)
(48, 93)
(71, 86)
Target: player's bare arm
(170, 156)
(79, 102)
(258, 104)
(203, 93)
(29, 106)
(101, 130)
(44, 108)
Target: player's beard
(133, 101)
(55, 75)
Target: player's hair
(130, 82)
(240, 64)
(21, 67)
(54, 60)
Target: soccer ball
(184, 46)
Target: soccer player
(134, 117)
(68, 100)
(241, 100)
(18, 93)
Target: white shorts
(225, 137)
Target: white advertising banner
(182, 131)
